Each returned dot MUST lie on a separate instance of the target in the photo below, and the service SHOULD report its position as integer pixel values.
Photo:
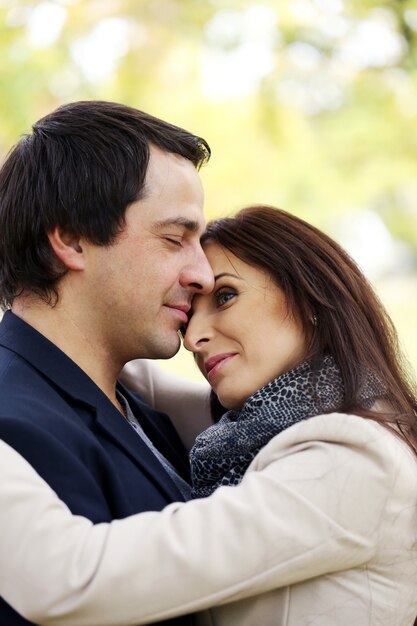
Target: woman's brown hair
(322, 283)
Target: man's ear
(67, 248)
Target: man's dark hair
(79, 169)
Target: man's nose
(198, 274)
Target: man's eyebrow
(189, 225)
(218, 276)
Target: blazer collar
(39, 352)
(24, 340)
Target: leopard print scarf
(222, 453)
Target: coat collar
(46, 357)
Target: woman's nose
(196, 336)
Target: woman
(318, 445)
(286, 296)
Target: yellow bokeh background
(309, 105)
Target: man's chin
(169, 350)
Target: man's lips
(214, 363)
(181, 310)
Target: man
(101, 213)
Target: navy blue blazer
(53, 414)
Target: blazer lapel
(111, 421)
(160, 430)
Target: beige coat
(322, 531)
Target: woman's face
(242, 334)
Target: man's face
(142, 285)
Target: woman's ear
(67, 248)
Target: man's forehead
(163, 165)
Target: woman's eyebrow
(216, 278)
(227, 274)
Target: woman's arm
(302, 510)
(185, 401)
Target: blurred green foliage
(310, 105)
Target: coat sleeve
(302, 510)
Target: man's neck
(74, 333)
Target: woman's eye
(223, 297)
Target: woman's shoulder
(349, 469)
(344, 427)
(340, 439)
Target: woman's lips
(213, 365)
